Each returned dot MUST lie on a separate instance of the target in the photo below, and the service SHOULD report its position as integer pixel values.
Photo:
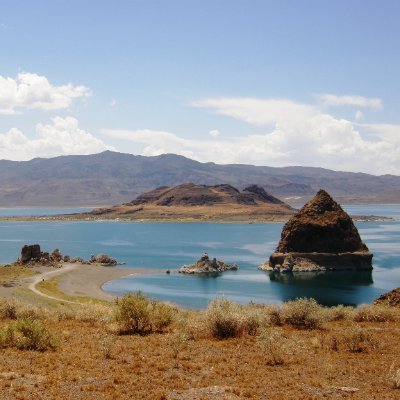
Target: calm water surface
(170, 245)
(39, 211)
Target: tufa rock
(103, 259)
(30, 252)
(319, 237)
(205, 265)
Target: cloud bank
(296, 134)
(31, 91)
(61, 137)
(332, 100)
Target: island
(206, 266)
(320, 237)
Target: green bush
(26, 334)
(303, 313)
(136, 314)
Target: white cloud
(113, 103)
(332, 100)
(62, 137)
(32, 91)
(259, 111)
(214, 133)
(310, 138)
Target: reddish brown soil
(144, 367)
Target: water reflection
(328, 288)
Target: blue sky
(259, 82)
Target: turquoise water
(170, 245)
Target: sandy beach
(77, 280)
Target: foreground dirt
(93, 363)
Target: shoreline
(72, 280)
(260, 220)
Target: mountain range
(109, 178)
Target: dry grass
(10, 273)
(188, 361)
(375, 313)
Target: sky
(276, 83)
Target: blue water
(39, 211)
(163, 246)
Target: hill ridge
(110, 178)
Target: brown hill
(190, 194)
(198, 202)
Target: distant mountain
(110, 178)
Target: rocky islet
(320, 237)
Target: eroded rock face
(206, 265)
(321, 236)
(30, 252)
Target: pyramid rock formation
(319, 237)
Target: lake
(169, 245)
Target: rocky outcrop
(205, 265)
(102, 259)
(30, 252)
(320, 237)
(391, 299)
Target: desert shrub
(338, 313)
(31, 312)
(161, 315)
(93, 313)
(251, 319)
(26, 334)
(14, 309)
(374, 313)
(107, 347)
(273, 346)
(303, 313)
(356, 339)
(135, 313)
(8, 309)
(179, 342)
(274, 315)
(65, 313)
(223, 318)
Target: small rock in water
(205, 265)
